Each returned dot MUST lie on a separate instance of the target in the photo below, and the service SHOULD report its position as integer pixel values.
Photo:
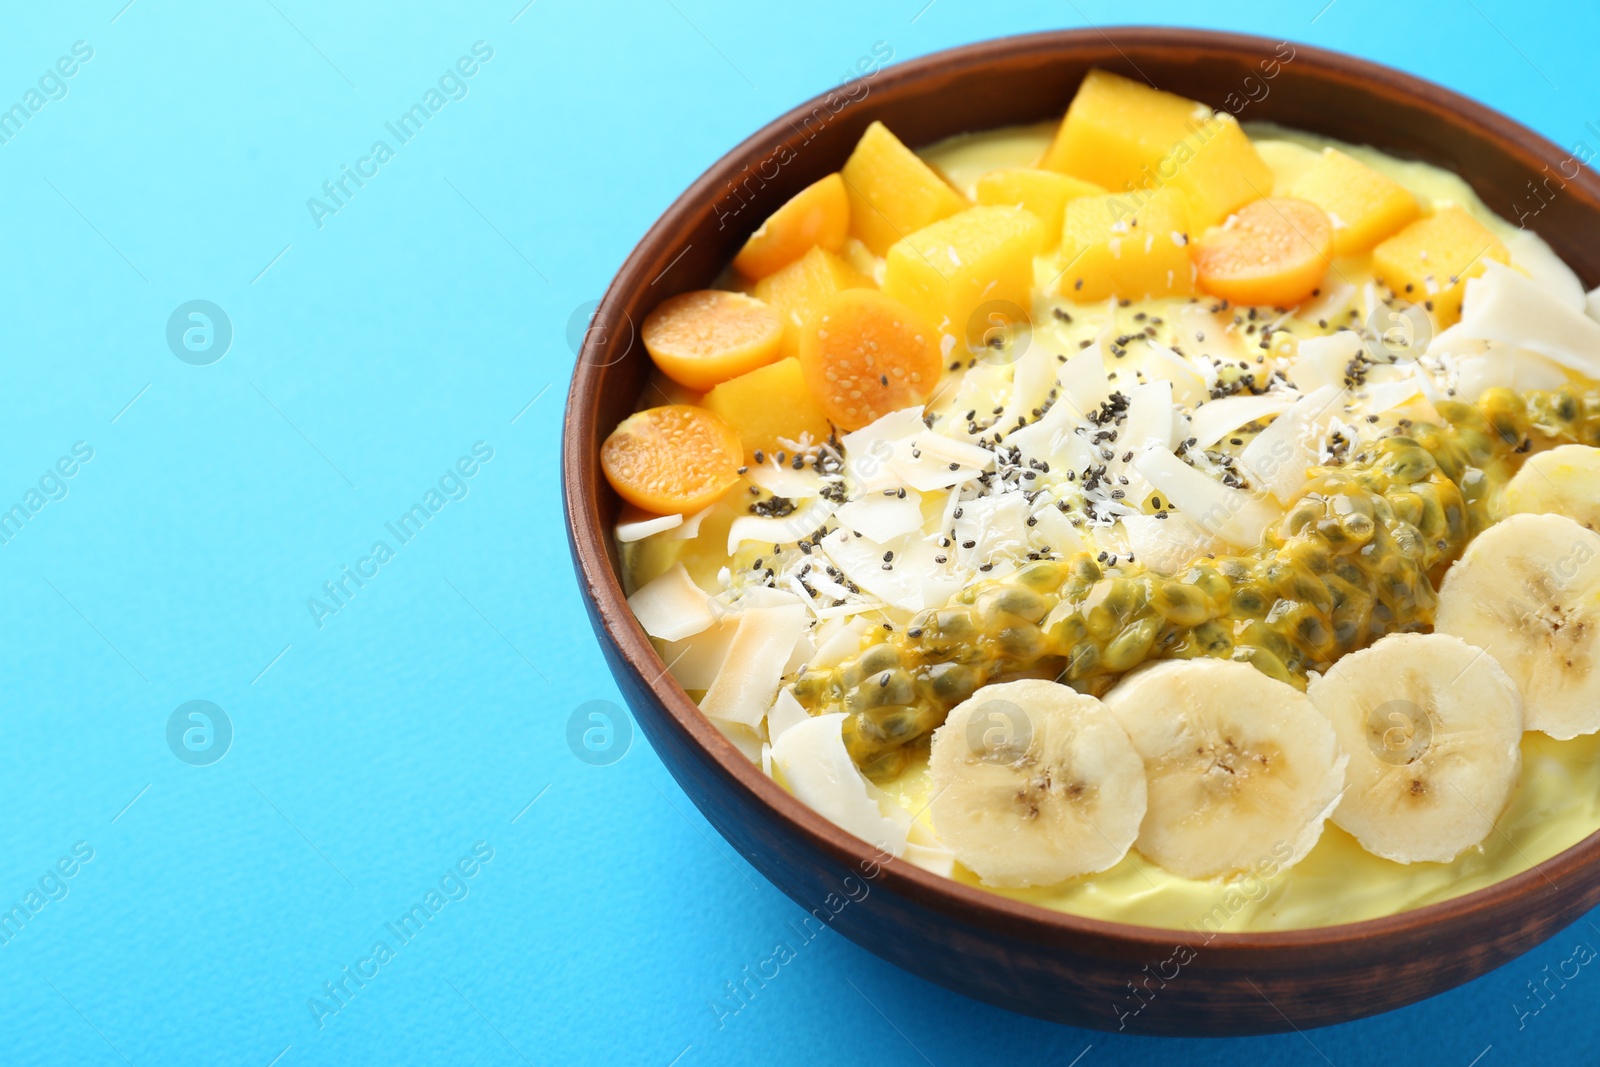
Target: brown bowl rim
(945, 896)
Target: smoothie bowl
(1120, 514)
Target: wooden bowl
(1019, 956)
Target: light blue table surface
(418, 731)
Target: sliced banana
(1035, 783)
(1433, 729)
(1562, 481)
(1241, 768)
(1527, 590)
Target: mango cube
(892, 192)
(946, 271)
(1364, 205)
(1126, 136)
(800, 288)
(1110, 249)
(861, 260)
(1430, 260)
(1217, 168)
(768, 403)
(1043, 192)
(1115, 128)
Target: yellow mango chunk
(1217, 168)
(1109, 249)
(1365, 206)
(1125, 136)
(768, 403)
(1430, 260)
(800, 288)
(1043, 192)
(946, 271)
(1115, 128)
(892, 192)
(663, 390)
(861, 260)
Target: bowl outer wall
(1017, 955)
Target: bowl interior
(999, 83)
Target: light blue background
(370, 754)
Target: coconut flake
(844, 641)
(1054, 439)
(923, 461)
(671, 606)
(748, 681)
(695, 661)
(1499, 366)
(911, 580)
(1149, 416)
(746, 740)
(1052, 527)
(785, 712)
(1503, 305)
(1231, 514)
(1322, 361)
(1188, 384)
(635, 524)
(1083, 382)
(881, 517)
(1531, 255)
(783, 530)
(691, 525)
(815, 766)
(1215, 419)
(804, 647)
(995, 525)
(1032, 375)
(762, 596)
(1370, 300)
(1386, 396)
(1278, 457)
(780, 479)
(851, 608)
(1167, 545)
(825, 586)
(867, 451)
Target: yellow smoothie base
(1556, 805)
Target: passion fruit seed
(1359, 555)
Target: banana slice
(1433, 729)
(1035, 783)
(1527, 590)
(1562, 481)
(1242, 768)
